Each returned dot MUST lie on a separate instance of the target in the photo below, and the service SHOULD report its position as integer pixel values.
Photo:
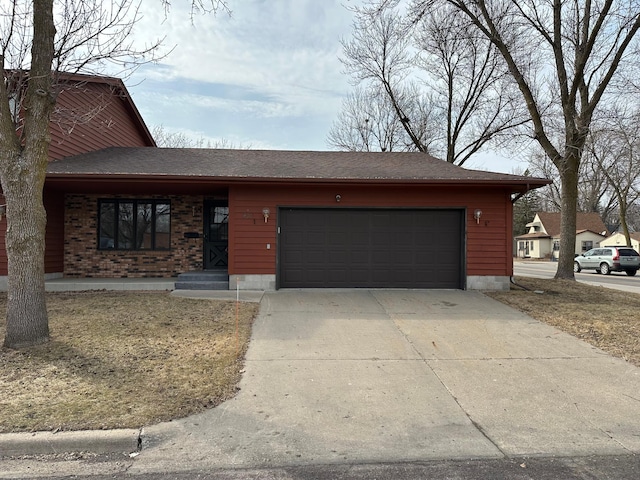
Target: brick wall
(83, 259)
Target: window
(134, 224)
(587, 245)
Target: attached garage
(371, 248)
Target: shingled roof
(275, 165)
(584, 221)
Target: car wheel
(576, 267)
(631, 273)
(604, 268)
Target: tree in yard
(593, 187)
(434, 87)
(565, 57)
(38, 39)
(616, 152)
(368, 122)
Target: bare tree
(594, 194)
(616, 153)
(368, 122)
(37, 41)
(167, 139)
(442, 86)
(564, 58)
(469, 81)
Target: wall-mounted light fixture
(477, 214)
(265, 213)
(3, 211)
(338, 198)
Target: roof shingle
(278, 165)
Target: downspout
(513, 201)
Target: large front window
(134, 224)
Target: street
(546, 269)
(538, 468)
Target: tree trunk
(22, 171)
(568, 168)
(27, 322)
(624, 224)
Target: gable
(93, 113)
(584, 221)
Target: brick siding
(82, 259)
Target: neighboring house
(91, 113)
(280, 219)
(543, 238)
(618, 240)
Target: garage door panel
(371, 248)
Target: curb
(47, 443)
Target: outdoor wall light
(338, 198)
(477, 214)
(266, 212)
(3, 211)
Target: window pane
(219, 226)
(144, 224)
(125, 226)
(163, 225)
(107, 223)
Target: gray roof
(274, 165)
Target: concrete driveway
(403, 375)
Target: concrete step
(202, 285)
(203, 280)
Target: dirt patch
(123, 360)
(603, 317)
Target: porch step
(203, 280)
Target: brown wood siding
(488, 245)
(90, 117)
(54, 237)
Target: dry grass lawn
(119, 360)
(606, 318)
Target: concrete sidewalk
(392, 376)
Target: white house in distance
(543, 238)
(618, 240)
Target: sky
(267, 77)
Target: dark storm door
(216, 234)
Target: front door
(216, 234)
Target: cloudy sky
(266, 77)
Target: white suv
(608, 259)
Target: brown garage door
(371, 248)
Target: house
(618, 240)
(283, 219)
(279, 219)
(543, 238)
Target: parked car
(608, 259)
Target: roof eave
(113, 177)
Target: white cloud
(267, 75)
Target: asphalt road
(538, 468)
(543, 269)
